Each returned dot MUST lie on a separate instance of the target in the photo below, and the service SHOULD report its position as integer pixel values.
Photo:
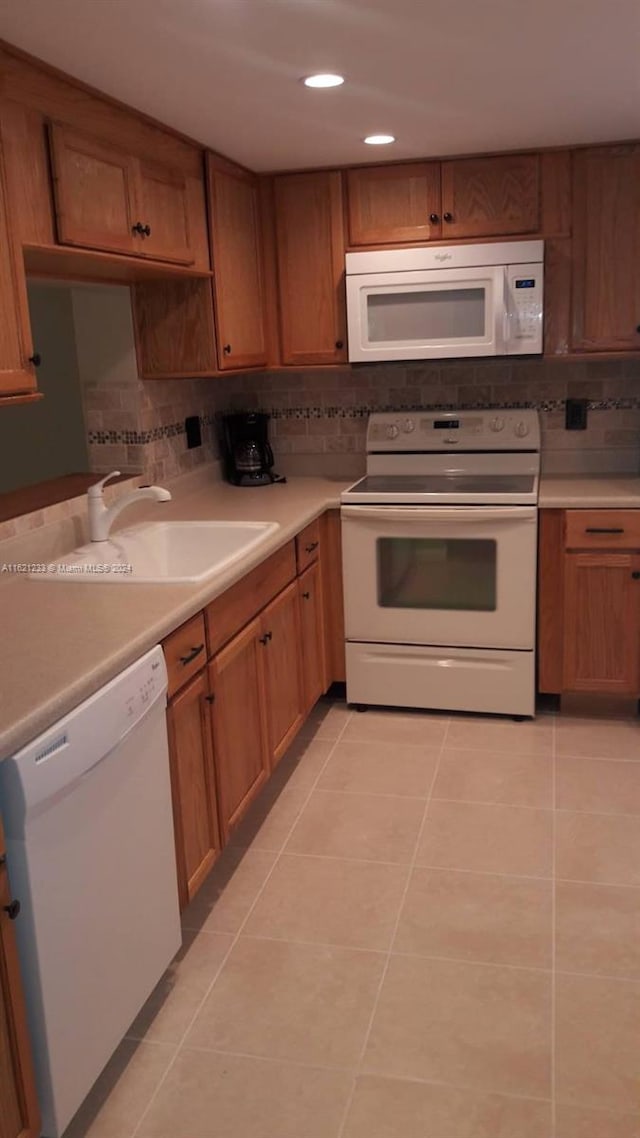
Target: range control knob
(496, 424)
(392, 431)
(408, 426)
(521, 429)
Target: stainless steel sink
(161, 553)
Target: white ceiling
(444, 76)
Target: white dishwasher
(90, 853)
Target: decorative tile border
(362, 411)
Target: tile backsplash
(319, 416)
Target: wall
(135, 425)
(43, 440)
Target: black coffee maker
(248, 455)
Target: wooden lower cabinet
(239, 724)
(332, 596)
(19, 1113)
(589, 602)
(602, 623)
(195, 809)
(282, 670)
(314, 669)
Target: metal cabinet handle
(339, 345)
(12, 909)
(210, 698)
(35, 359)
(146, 229)
(227, 349)
(307, 595)
(636, 575)
(596, 529)
(184, 660)
(312, 545)
(447, 216)
(138, 228)
(434, 218)
(266, 638)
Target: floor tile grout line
(410, 869)
(553, 938)
(392, 1077)
(236, 937)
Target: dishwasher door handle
(439, 514)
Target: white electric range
(439, 560)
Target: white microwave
(445, 302)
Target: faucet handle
(95, 491)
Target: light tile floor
(428, 927)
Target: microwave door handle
(506, 314)
(439, 514)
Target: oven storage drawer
(457, 679)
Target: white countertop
(584, 491)
(61, 641)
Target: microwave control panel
(524, 309)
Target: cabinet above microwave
(445, 302)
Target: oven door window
(435, 314)
(437, 573)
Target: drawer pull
(12, 909)
(306, 596)
(266, 638)
(595, 529)
(636, 575)
(311, 546)
(184, 660)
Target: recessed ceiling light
(379, 139)
(324, 81)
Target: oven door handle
(438, 514)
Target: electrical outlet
(575, 418)
(194, 433)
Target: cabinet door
(17, 374)
(282, 670)
(490, 197)
(239, 726)
(195, 811)
(606, 249)
(163, 207)
(19, 1115)
(391, 204)
(310, 246)
(237, 263)
(312, 636)
(602, 623)
(94, 191)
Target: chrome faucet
(101, 518)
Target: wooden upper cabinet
(491, 197)
(602, 623)
(17, 373)
(310, 253)
(94, 192)
(162, 208)
(606, 249)
(392, 204)
(108, 199)
(237, 264)
(19, 1115)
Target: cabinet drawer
(185, 652)
(235, 608)
(602, 529)
(308, 545)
